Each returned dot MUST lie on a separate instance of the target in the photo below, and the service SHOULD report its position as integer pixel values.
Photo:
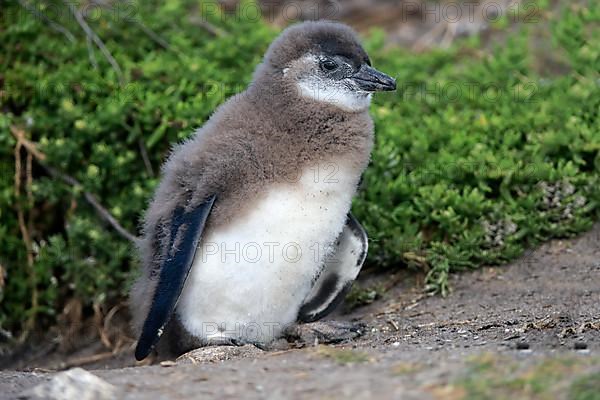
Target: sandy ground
(530, 329)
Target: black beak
(371, 80)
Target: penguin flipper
(186, 232)
(339, 272)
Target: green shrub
(479, 156)
(94, 129)
(454, 183)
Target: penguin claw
(325, 332)
(225, 341)
(261, 346)
(235, 342)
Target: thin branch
(25, 229)
(450, 35)
(79, 361)
(28, 144)
(100, 210)
(54, 25)
(2, 277)
(124, 344)
(96, 39)
(208, 27)
(148, 31)
(428, 38)
(104, 337)
(153, 35)
(91, 54)
(145, 157)
(30, 203)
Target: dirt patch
(528, 329)
(548, 300)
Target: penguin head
(325, 62)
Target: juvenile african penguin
(249, 231)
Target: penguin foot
(325, 332)
(227, 341)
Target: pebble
(580, 346)
(168, 363)
(75, 383)
(522, 346)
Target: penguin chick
(243, 230)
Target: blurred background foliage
(485, 150)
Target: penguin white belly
(249, 279)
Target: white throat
(339, 96)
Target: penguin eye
(329, 65)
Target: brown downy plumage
(260, 139)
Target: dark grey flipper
(340, 270)
(186, 232)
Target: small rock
(74, 384)
(522, 346)
(580, 346)
(168, 363)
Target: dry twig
(100, 210)
(145, 157)
(24, 227)
(393, 324)
(2, 276)
(19, 135)
(91, 55)
(40, 157)
(207, 26)
(76, 362)
(98, 317)
(148, 31)
(54, 25)
(153, 35)
(96, 39)
(102, 323)
(109, 316)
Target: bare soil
(530, 329)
